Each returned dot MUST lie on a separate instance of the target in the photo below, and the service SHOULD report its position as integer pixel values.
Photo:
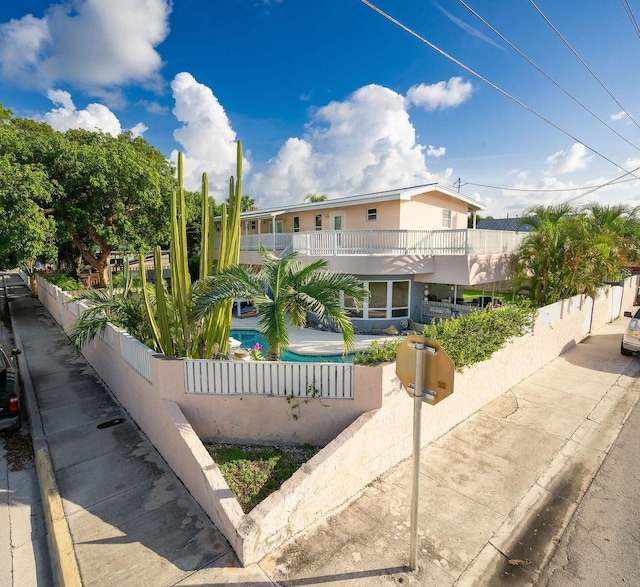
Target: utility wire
(553, 81)
(615, 180)
(632, 18)
(582, 61)
(489, 83)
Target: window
(387, 300)
(253, 225)
(349, 305)
(446, 218)
(296, 224)
(400, 299)
(372, 214)
(377, 299)
(318, 221)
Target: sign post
(427, 373)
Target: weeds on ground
(254, 472)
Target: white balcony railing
(327, 243)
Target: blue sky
(330, 97)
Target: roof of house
(370, 198)
(514, 224)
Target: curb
(63, 559)
(502, 550)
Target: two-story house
(410, 246)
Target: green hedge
(467, 340)
(64, 282)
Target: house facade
(411, 247)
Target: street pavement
(496, 492)
(601, 545)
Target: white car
(631, 338)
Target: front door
(337, 224)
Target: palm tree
(618, 225)
(573, 252)
(285, 287)
(539, 265)
(315, 198)
(247, 203)
(122, 307)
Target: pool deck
(310, 341)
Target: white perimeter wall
(369, 434)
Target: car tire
(625, 352)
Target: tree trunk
(101, 263)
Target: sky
(514, 103)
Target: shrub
(377, 352)
(474, 338)
(64, 282)
(467, 340)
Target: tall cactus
(175, 329)
(218, 324)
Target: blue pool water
(248, 338)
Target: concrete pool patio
(312, 341)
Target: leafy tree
(285, 288)
(98, 191)
(27, 234)
(116, 191)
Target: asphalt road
(24, 556)
(601, 545)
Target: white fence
(326, 380)
(136, 354)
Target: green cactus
(175, 329)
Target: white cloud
(89, 44)
(467, 28)
(365, 143)
(436, 151)
(94, 117)
(208, 141)
(518, 173)
(139, 129)
(21, 44)
(618, 115)
(440, 95)
(574, 159)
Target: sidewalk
(498, 488)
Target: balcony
(426, 243)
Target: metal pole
(417, 409)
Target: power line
(553, 81)
(600, 186)
(489, 83)
(632, 18)
(615, 180)
(582, 61)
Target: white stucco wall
(378, 437)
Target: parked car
(9, 392)
(631, 338)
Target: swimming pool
(249, 338)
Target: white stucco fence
(362, 437)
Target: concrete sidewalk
(496, 492)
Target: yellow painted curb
(65, 565)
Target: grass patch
(254, 472)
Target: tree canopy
(574, 251)
(98, 191)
